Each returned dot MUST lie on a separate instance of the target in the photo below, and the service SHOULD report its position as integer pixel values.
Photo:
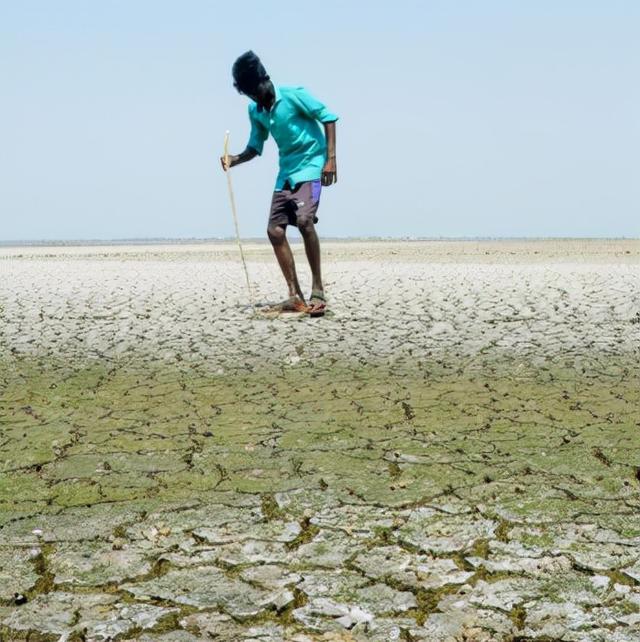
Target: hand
(231, 163)
(329, 172)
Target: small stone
(118, 543)
(150, 533)
(600, 581)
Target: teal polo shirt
(293, 123)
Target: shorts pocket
(316, 188)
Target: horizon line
(261, 240)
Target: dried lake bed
(452, 454)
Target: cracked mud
(453, 454)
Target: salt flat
(452, 452)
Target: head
(251, 78)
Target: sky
(465, 118)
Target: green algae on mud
(530, 443)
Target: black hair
(249, 73)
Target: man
(307, 162)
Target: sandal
(317, 304)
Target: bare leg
(312, 248)
(317, 302)
(282, 249)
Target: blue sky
(458, 118)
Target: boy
(307, 162)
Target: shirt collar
(275, 102)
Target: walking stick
(235, 215)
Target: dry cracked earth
(452, 454)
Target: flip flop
(317, 304)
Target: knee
(276, 234)
(305, 225)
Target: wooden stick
(235, 215)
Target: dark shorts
(295, 206)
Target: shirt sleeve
(259, 133)
(312, 107)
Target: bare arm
(248, 154)
(330, 169)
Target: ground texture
(453, 454)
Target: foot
(317, 304)
(292, 304)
